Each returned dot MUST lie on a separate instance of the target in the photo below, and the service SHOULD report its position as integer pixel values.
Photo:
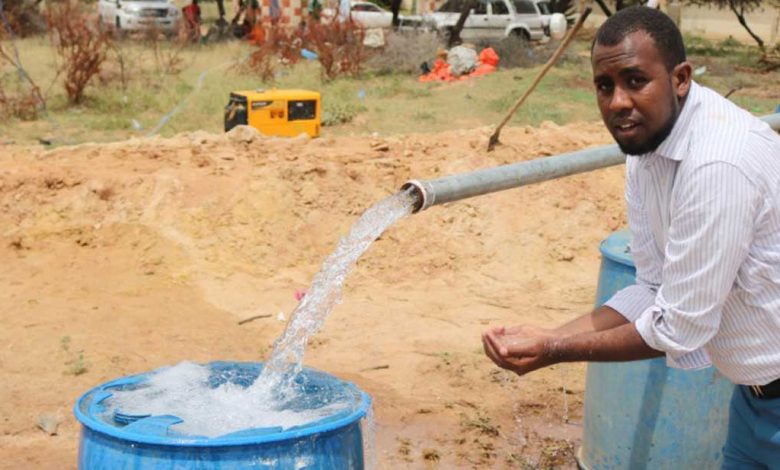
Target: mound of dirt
(124, 257)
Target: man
(250, 11)
(703, 197)
(315, 10)
(191, 14)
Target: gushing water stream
(274, 397)
(325, 291)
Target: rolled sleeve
(632, 301)
(637, 301)
(697, 359)
(709, 237)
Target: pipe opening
(418, 193)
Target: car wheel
(521, 34)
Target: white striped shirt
(704, 212)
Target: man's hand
(521, 349)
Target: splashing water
(274, 399)
(368, 429)
(325, 292)
(186, 391)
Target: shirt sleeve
(713, 218)
(636, 299)
(633, 300)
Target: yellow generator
(286, 113)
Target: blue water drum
(643, 414)
(111, 440)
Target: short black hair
(654, 22)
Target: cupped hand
(521, 349)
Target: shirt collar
(676, 144)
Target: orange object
(488, 56)
(257, 34)
(440, 72)
(488, 63)
(285, 113)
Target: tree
(566, 7)
(395, 7)
(740, 8)
(23, 17)
(454, 38)
(619, 5)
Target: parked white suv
(495, 19)
(370, 15)
(138, 15)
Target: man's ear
(681, 79)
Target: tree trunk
(395, 7)
(741, 17)
(454, 38)
(604, 7)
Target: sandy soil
(719, 24)
(117, 259)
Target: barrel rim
(98, 426)
(607, 249)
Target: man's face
(638, 97)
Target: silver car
(495, 19)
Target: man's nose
(621, 100)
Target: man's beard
(656, 139)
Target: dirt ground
(121, 258)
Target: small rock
(244, 134)
(48, 424)
(380, 146)
(565, 256)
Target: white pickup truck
(495, 19)
(139, 15)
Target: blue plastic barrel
(112, 441)
(643, 414)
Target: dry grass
(81, 45)
(132, 92)
(405, 51)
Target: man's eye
(604, 87)
(636, 82)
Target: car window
(451, 6)
(481, 8)
(524, 7)
(365, 7)
(499, 7)
(544, 7)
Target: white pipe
(452, 188)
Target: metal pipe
(452, 188)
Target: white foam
(183, 390)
